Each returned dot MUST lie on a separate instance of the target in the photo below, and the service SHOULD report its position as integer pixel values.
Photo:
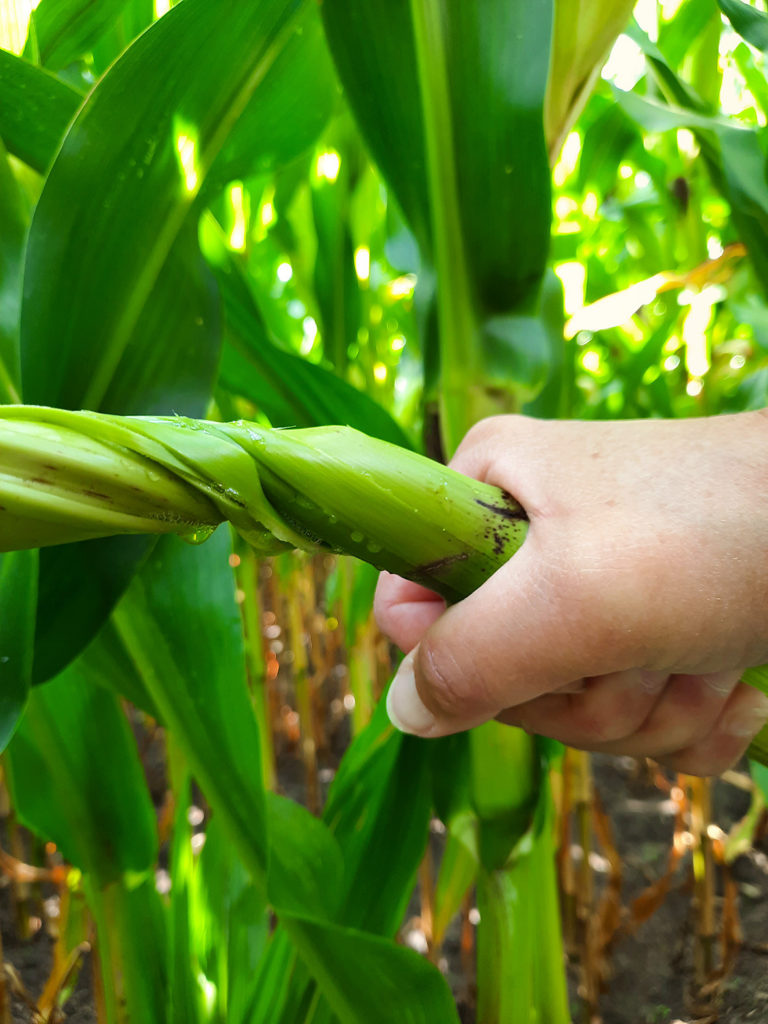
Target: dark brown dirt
(651, 970)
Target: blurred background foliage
(245, 225)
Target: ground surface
(651, 970)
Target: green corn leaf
(608, 134)
(136, 16)
(195, 675)
(363, 976)
(185, 998)
(584, 31)
(18, 584)
(36, 110)
(75, 741)
(118, 228)
(460, 139)
(458, 871)
(750, 22)
(13, 227)
(335, 281)
(130, 924)
(61, 31)
(230, 923)
(678, 35)
(120, 311)
(305, 865)
(383, 785)
(733, 154)
(291, 391)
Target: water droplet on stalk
(356, 537)
(198, 535)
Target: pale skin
(625, 621)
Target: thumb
(506, 643)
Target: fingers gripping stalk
(69, 476)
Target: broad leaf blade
(749, 22)
(119, 310)
(60, 31)
(181, 627)
(365, 977)
(13, 228)
(75, 741)
(18, 586)
(290, 390)
(35, 112)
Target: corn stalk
(69, 476)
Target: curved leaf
(18, 581)
(13, 229)
(451, 106)
(288, 389)
(749, 22)
(365, 977)
(60, 31)
(584, 31)
(497, 68)
(180, 626)
(119, 310)
(35, 112)
(116, 203)
(75, 741)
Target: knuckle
(699, 760)
(480, 433)
(448, 686)
(610, 721)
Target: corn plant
(154, 172)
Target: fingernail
(751, 720)
(405, 707)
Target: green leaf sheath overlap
(331, 487)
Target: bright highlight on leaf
(267, 213)
(328, 165)
(237, 234)
(14, 23)
(186, 151)
(363, 263)
(402, 287)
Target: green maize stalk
(68, 476)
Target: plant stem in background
(459, 349)
(247, 572)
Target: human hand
(638, 598)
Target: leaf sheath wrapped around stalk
(67, 476)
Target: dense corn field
(376, 224)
